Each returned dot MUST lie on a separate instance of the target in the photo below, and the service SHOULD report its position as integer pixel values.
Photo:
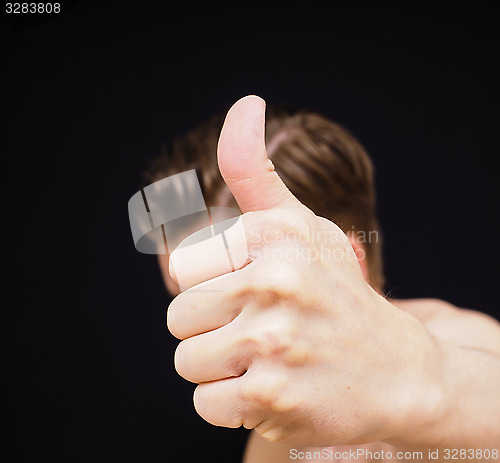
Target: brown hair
(322, 164)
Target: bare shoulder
(464, 327)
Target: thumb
(243, 161)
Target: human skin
(304, 351)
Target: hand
(294, 343)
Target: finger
(212, 356)
(207, 306)
(239, 245)
(243, 160)
(242, 401)
(222, 403)
(203, 255)
(219, 402)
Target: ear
(360, 252)
(172, 286)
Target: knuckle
(266, 227)
(269, 392)
(296, 221)
(281, 276)
(273, 339)
(271, 283)
(271, 433)
(288, 220)
(257, 393)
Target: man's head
(322, 164)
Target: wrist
(421, 404)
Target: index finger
(213, 251)
(197, 259)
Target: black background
(90, 96)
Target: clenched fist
(293, 343)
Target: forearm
(472, 393)
(468, 416)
